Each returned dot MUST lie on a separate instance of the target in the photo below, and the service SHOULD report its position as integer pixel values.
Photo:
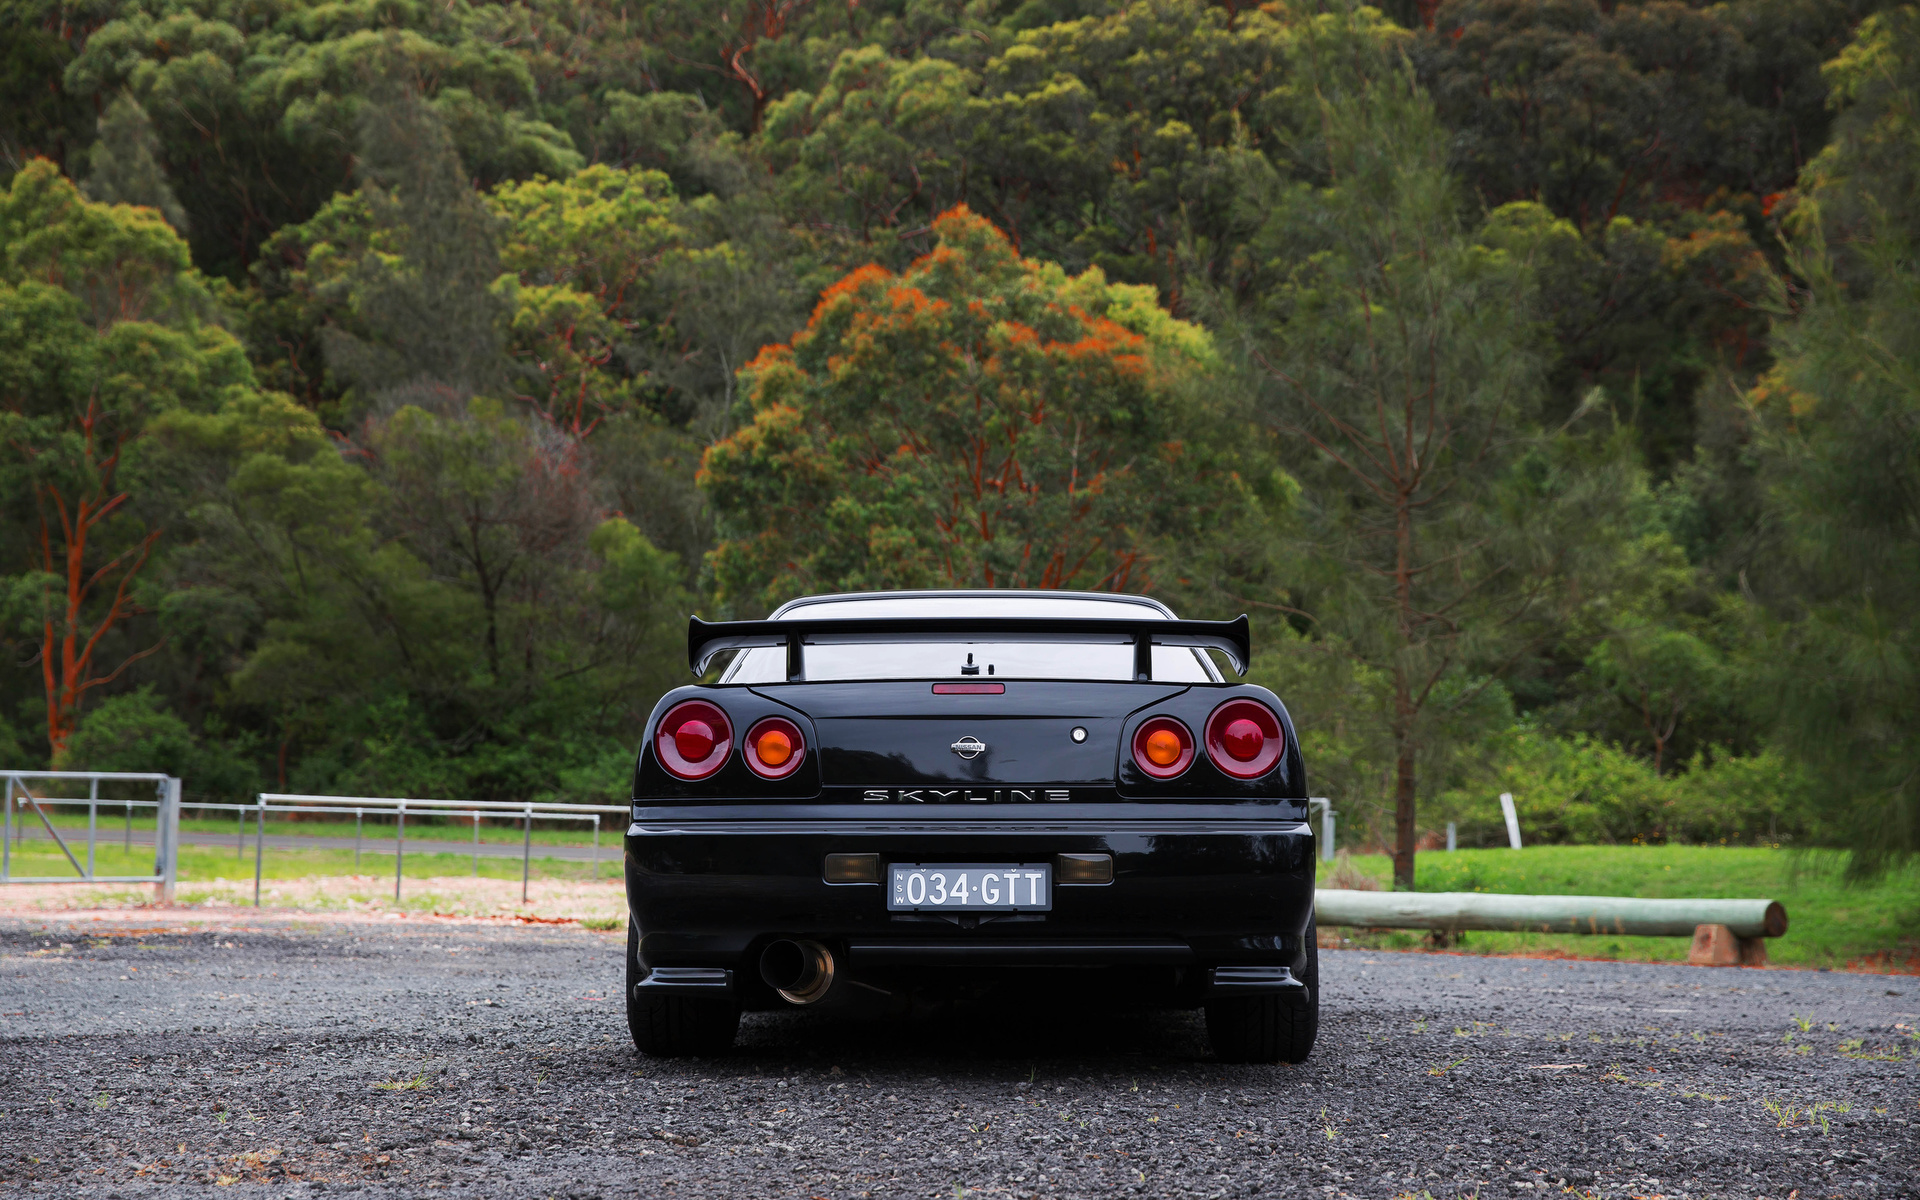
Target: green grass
(1831, 923)
(213, 862)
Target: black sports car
(893, 790)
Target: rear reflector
(852, 868)
(1084, 868)
(969, 689)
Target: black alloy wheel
(674, 1026)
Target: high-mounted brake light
(1244, 738)
(1162, 747)
(775, 747)
(694, 739)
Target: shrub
(134, 732)
(1585, 791)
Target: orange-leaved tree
(103, 326)
(980, 420)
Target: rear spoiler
(1231, 638)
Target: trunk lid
(895, 733)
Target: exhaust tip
(800, 971)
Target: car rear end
(1020, 804)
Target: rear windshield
(952, 660)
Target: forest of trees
(382, 383)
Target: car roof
(1011, 602)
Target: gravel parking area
(300, 1055)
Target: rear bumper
(1191, 893)
(720, 982)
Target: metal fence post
(595, 873)
(259, 849)
(166, 840)
(356, 841)
(1326, 825)
(526, 856)
(93, 821)
(399, 850)
(127, 845)
(6, 838)
(476, 843)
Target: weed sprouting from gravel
(1440, 1069)
(1857, 1048)
(1788, 1113)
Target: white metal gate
(22, 801)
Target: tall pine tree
(1844, 405)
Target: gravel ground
(303, 1055)
(326, 897)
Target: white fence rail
(398, 807)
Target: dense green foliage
(382, 383)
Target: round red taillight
(694, 739)
(1162, 747)
(1244, 738)
(775, 747)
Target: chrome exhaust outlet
(801, 971)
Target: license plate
(971, 887)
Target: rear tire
(1266, 1029)
(674, 1026)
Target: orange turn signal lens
(775, 747)
(1163, 747)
